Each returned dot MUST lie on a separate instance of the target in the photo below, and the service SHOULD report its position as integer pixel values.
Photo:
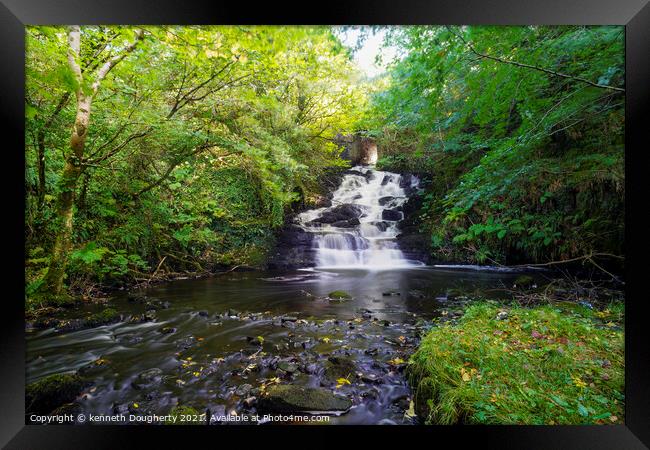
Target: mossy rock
(43, 396)
(524, 281)
(337, 367)
(339, 295)
(183, 410)
(296, 399)
(105, 317)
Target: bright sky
(365, 56)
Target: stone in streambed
(297, 399)
(44, 395)
(391, 214)
(339, 295)
(147, 378)
(384, 200)
(338, 367)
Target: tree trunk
(53, 283)
(62, 245)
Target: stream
(217, 343)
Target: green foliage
(540, 366)
(524, 166)
(199, 142)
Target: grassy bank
(551, 364)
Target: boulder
(391, 214)
(338, 367)
(297, 399)
(53, 391)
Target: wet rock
(384, 200)
(243, 390)
(203, 313)
(524, 282)
(338, 367)
(287, 366)
(185, 343)
(105, 317)
(254, 340)
(136, 298)
(93, 367)
(250, 402)
(338, 213)
(339, 295)
(390, 293)
(297, 399)
(414, 293)
(369, 378)
(232, 313)
(148, 378)
(391, 214)
(346, 223)
(48, 393)
(168, 330)
(288, 319)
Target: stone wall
(358, 149)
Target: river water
(217, 341)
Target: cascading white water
(359, 229)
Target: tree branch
(529, 66)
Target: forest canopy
(197, 140)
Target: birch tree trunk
(53, 282)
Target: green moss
(541, 365)
(339, 295)
(44, 395)
(106, 316)
(185, 415)
(524, 281)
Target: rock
(417, 294)
(390, 293)
(338, 367)
(287, 366)
(289, 319)
(351, 223)
(297, 399)
(149, 377)
(381, 226)
(232, 313)
(341, 212)
(46, 394)
(384, 200)
(136, 298)
(524, 282)
(339, 295)
(168, 330)
(502, 315)
(250, 402)
(184, 415)
(185, 343)
(369, 378)
(93, 367)
(243, 390)
(391, 214)
(105, 317)
(203, 313)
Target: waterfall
(359, 229)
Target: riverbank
(552, 364)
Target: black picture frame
(633, 14)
